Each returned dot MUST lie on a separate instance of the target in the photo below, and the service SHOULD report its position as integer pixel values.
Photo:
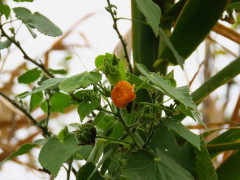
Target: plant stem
(25, 55)
(45, 131)
(102, 137)
(126, 127)
(115, 26)
(69, 168)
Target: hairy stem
(115, 27)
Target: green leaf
(59, 102)
(22, 150)
(144, 165)
(99, 62)
(86, 107)
(55, 152)
(58, 71)
(35, 100)
(182, 131)
(204, 168)
(82, 80)
(63, 134)
(230, 168)
(85, 172)
(194, 23)
(30, 76)
(152, 12)
(219, 79)
(180, 59)
(38, 21)
(97, 151)
(5, 44)
(165, 86)
(83, 152)
(50, 83)
(224, 141)
(138, 82)
(100, 116)
(5, 9)
(235, 4)
(165, 139)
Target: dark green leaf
(194, 23)
(144, 165)
(204, 168)
(180, 59)
(133, 79)
(55, 152)
(35, 100)
(30, 76)
(86, 170)
(86, 107)
(59, 102)
(235, 4)
(58, 71)
(182, 131)
(5, 44)
(22, 150)
(50, 83)
(165, 86)
(165, 139)
(5, 9)
(230, 168)
(82, 80)
(38, 21)
(152, 12)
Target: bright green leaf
(38, 21)
(144, 165)
(22, 150)
(30, 76)
(5, 9)
(86, 107)
(35, 100)
(165, 86)
(82, 80)
(59, 102)
(152, 12)
(55, 152)
(50, 83)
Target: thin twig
(24, 111)
(115, 27)
(25, 55)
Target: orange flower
(123, 94)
